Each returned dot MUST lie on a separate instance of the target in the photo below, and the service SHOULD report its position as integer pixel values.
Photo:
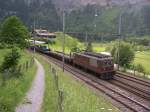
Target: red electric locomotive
(100, 64)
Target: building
(43, 34)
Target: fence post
(59, 92)
(5, 75)
(26, 65)
(134, 69)
(144, 74)
(60, 100)
(31, 62)
(23, 67)
(19, 69)
(54, 73)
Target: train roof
(95, 57)
(98, 55)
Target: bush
(11, 60)
(140, 68)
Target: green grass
(69, 43)
(15, 88)
(143, 58)
(77, 97)
(98, 47)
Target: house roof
(42, 32)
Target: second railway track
(133, 78)
(142, 91)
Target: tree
(11, 60)
(89, 47)
(126, 53)
(13, 32)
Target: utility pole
(95, 25)
(119, 39)
(34, 36)
(63, 39)
(96, 15)
(86, 38)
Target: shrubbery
(11, 61)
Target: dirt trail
(34, 98)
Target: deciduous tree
(14, 32)
(126, 54)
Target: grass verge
(15, 89)
(143, 58)
(99, 47)
(76, 96)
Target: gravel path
(34, 97)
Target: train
(98, 64)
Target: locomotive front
(106, 68)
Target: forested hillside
(43, 13)
(75, 4)
(80, 15)
(135, 19)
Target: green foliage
(14, 90)
(11, 60)
(89, 47)
(144, 41)
(75, 49)
(126, 53)
(13, 32)
(140, 68)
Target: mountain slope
(75, 4)
(42, 12)
(134, 20)
(81, 14)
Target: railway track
(133, 78)
(132, 84)
(129, 103)
(131, 89)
